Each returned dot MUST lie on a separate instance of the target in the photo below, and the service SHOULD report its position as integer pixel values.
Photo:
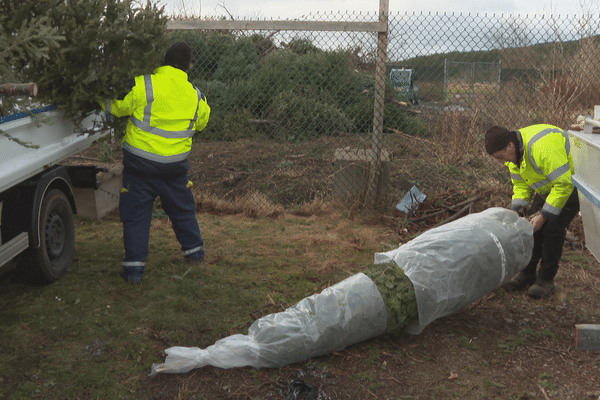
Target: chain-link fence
(293, 111)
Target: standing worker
(165, 110)
(539, 159)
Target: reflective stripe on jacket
(546, 167)
(165, 111)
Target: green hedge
(295, 88)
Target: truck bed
(54, 137)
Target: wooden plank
(380, 78)
(342, 26)
(587, 337)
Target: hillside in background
(553, 54)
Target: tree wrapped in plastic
(434, 275)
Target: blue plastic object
(411, 200)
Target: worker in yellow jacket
(539, 160)
(165, 111)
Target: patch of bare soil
(503, 346)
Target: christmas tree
(79, 52)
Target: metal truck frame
(36, 191)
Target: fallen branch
(544, 393)
(468, 202)
(465, 210)
(566, 353)
(407, 136)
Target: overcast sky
(290, 9)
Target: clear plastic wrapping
(457, 263)
(346, 313)
(450, 267)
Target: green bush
(274, 76)
(397, 118)
(299, 89)
(304, 117)
(238, 63)
(302, 46)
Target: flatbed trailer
(37, 191)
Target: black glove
(521, 210)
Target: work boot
(194, 260)
(132, 276)
(541, 288)
(519, 282)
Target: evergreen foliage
(398, 294)
(19, 45)
(81, 52)
(93, 48)
(296, 89)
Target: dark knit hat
(497, 138)
(179, 56)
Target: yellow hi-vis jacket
(165, 111)
(546, 168)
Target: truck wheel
(53, 258)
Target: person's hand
(537, 220)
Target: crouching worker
(539, 160)
(164, 110)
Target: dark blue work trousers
(548, 242)
(135, 210)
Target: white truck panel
(55, 137)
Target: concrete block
(587, 337)
(353, 166)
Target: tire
(52, 260)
